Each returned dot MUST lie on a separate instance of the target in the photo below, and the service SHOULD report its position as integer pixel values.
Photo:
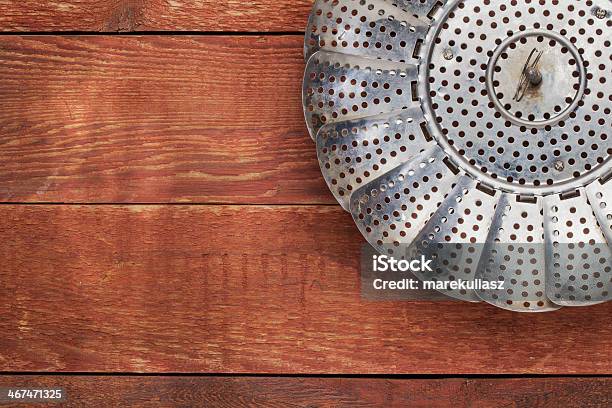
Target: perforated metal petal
(353, 152)
(599, 194)
(374, 28)
(393, 209)
(454, 235)
(514, 254)
(578, 259)
(340, 87)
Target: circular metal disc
(474, 132)
(527, 158)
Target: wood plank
(155, 119)
(246, 289)
(139, 391)
(157, 15)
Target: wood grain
(246, 289)
(157, 15)
(139, 391)
(155, 119)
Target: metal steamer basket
(472, 129)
